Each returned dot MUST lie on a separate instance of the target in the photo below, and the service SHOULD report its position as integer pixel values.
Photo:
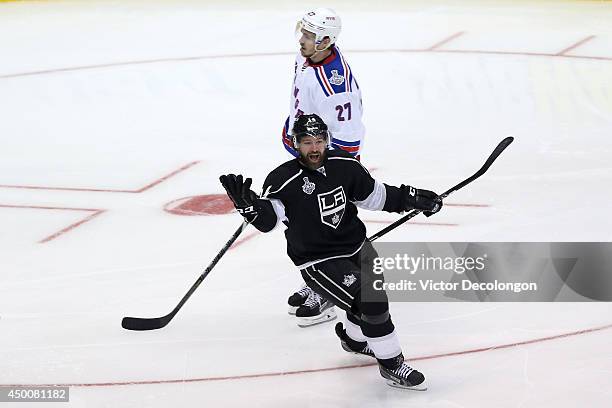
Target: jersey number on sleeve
(341, 109)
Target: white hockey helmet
(323, 22)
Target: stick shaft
(137, 323)
(210, 266)
(494, 155)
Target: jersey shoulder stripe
(269, 192)
(334, 74)
(287, 141)
(348, 73)
(320, 75)
(289, 148)
(350, 159)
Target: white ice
(114, 95)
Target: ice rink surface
(114, 114)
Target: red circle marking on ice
(209, 204)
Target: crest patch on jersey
(331, 206)
(349, 280)
(308, 186)
(336, 79)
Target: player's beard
(312, 160)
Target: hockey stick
(494, 155)
(138, 323)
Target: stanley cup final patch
(331, 206)
(335, 79)
(308, 186)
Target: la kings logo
(349, 280)
(331, 206)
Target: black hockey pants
(342, 282)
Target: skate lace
(305, 291)
(313, 300)
(403, 371)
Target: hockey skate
(298, 298)
(403, 376)
(350, 345)
(315, 310)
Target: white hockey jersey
(330, 90)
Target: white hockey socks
(354, 331)
(385, 347)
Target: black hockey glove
(424, 200)
(239, 191)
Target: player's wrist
(420, 199)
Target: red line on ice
(243, 240)
(101, 190)
(575, 45)
(166, 177)
(445, 41)
(141, 62)
(319, 370)
(289, 53)
(41, 207)
(71, 227)
(96, 190)
(467, 205)
(436, 224)
(523, 53)
(95, 212)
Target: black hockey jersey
(319, 207)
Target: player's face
(312, 151)
(307, 43)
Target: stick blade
(506, 142)
(140, 324)
(498, 150)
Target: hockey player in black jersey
(316, 197)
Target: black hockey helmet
(309, 125)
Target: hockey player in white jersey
(323, 84)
